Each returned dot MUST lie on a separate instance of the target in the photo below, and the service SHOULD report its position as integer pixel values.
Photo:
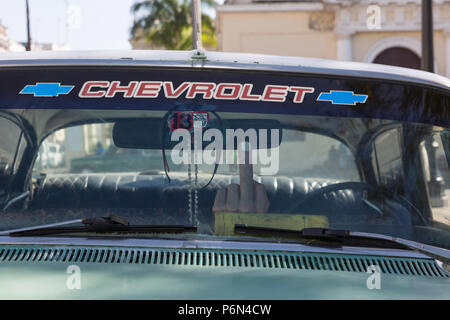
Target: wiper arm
(349, 237)
(97, 225)
(329, 235)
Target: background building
(383, 31)
(7, 44)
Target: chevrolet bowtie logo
(342, 97)
(40, 89)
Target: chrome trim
(205, 244)
(431, 251)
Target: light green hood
(48, 281)
(120, 273)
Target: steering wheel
(355, 186)
(358, 186)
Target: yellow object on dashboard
(225, 221)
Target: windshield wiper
(97, 225)
(347, 237)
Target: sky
(82, 24)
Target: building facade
(7, 44)
(382, 31)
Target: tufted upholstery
(150, 199)
(154, 191)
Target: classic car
(270, 178)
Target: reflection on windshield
(321, 156)
(345, 173)
(437, 173)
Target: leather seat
(154, 191)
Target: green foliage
(167, 24)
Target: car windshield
(280, 165)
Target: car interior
(361, 180)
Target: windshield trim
(432, 251)
(207, 245)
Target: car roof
(222, 60)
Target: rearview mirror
(138, 133)
(156, 133)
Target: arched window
(398, 56)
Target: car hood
(38, 281)
(64, 272)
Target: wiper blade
(348, 237)
(330, 235)
(97, 225)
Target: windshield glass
(328, 157)
(310, 158)
(97, 178)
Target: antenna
(28, 44)
(196, 25)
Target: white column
(447, 52)
(344, 46)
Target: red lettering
(300, 93)
(205, 88)
(233, 95)
(171, 93)
(148, 89)
(275, 93)
(246, 93)
(127, 90)
(86, 92)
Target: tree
(168, 24)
